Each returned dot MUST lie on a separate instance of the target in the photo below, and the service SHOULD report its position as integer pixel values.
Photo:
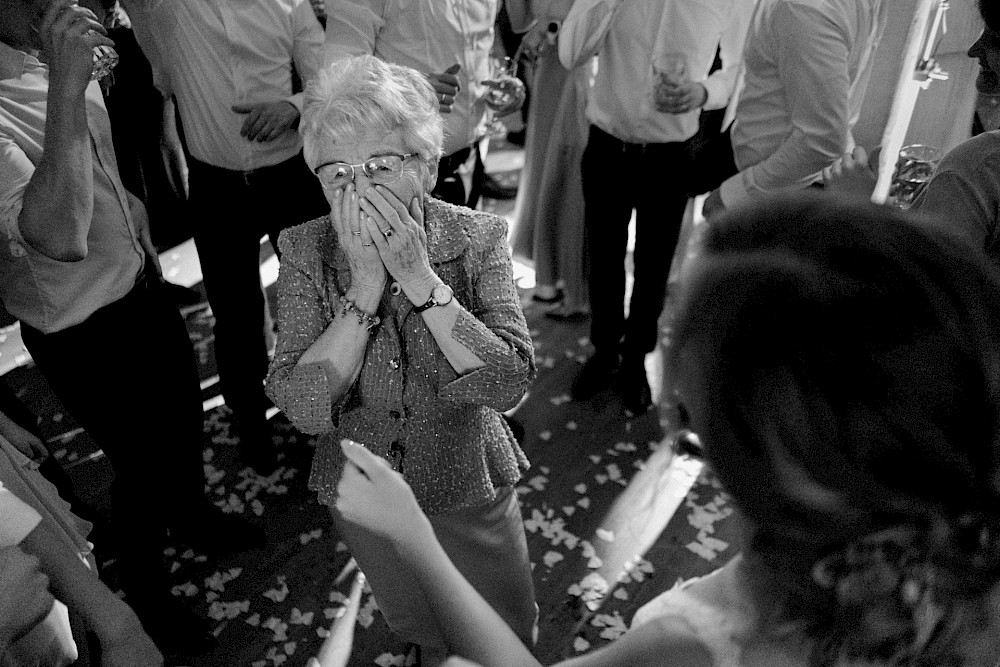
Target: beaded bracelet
(369, 322)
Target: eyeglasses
(382, 169)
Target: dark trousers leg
(142, 406)
(450, 187)
(712, 163)
(609, 193)
(233, 215)
(662, 200)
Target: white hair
(364, 94)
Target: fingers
(337, 218)
(360, 457)
(389, 216)
(454, 69)
(860, 155)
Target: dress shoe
(633, 387)
(687, 442)
(597, 374)
(212, 532)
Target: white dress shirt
(213, 54)
(626, 35)
(430, 36)
(806, 67)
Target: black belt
(449, 164)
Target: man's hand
(140, 218)
(24, 441)
(266, 121)
(24, 595)
(668, 98)
(69, 34)
(853, 174)
(446, 87)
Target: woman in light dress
(842, 367)
(549, 207)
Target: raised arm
(371, 494)
(58, 227)
(813, 67)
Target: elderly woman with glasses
(400, 328)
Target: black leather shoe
(633, 387)
(687, 442)
(597, 374)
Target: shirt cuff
(734, 191)
(17, 519)
(718, 93)
(297, 100)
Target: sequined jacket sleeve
(301, 392)
(492, 325)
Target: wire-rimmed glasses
(382, 169)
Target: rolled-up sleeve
(494, 329)
(302, 392)
(15, 174)
(17, 518)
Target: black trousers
(713, 162)
(234, 209)
(617, 178)
(450, 187)
(128, 376)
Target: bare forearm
(472, 629)
(341, 348)
(57, 226)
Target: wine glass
(504, 95)
(915, 166)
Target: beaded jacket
(441, 430)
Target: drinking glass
(105, 57)
(670, 70)
(915, 166)
(503, 95)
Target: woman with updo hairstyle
(842, 367)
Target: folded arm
(813, 67)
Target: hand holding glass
(670, 73)
(914, 168)
(504, 95)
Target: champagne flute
(504, 94)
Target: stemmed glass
(505, 94)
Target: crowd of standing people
(352, 133)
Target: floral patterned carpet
(599, 481)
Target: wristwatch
(440, 296)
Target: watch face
(441, 294)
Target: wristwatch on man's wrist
(440, 296)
